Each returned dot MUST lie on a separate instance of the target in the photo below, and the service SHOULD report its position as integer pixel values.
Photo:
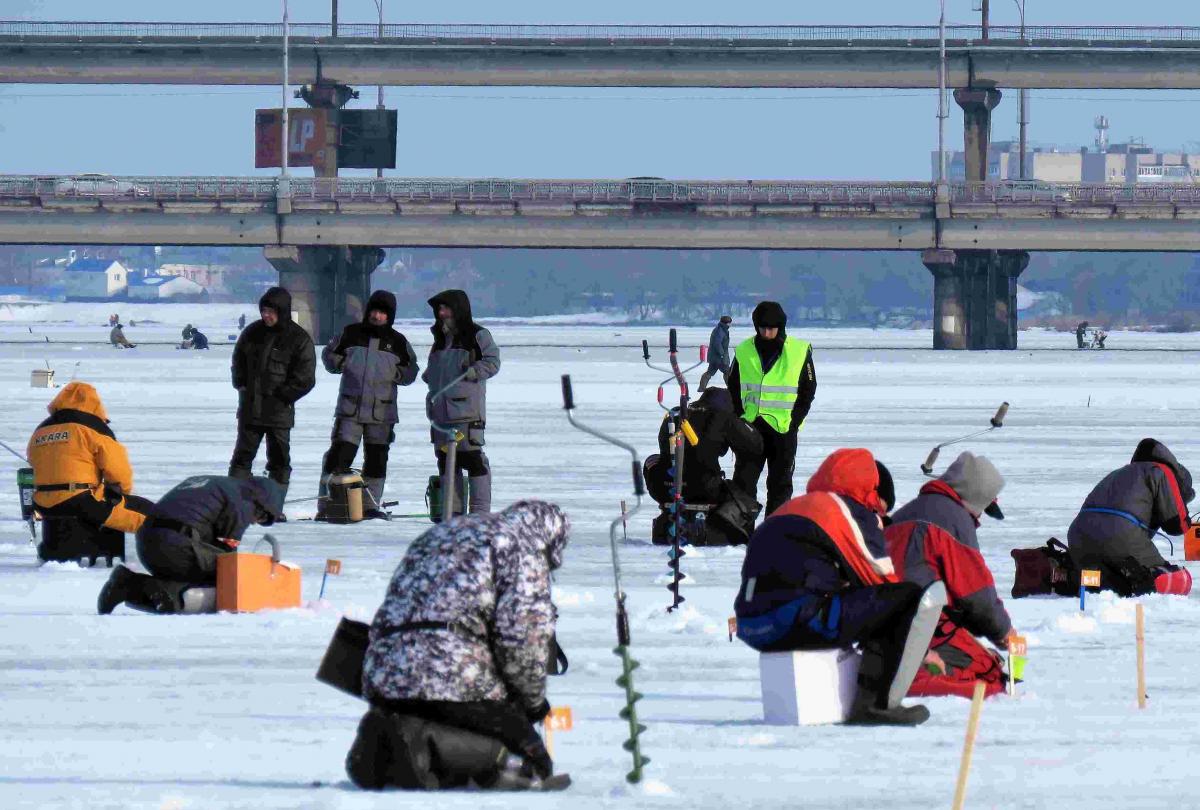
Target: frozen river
(137, 711)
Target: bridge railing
(582, 34)
(625, 191)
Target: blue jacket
(718, 347)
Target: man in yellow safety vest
(773, 382)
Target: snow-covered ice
(136, 711)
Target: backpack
(1044, 570)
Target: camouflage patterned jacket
(488, 578)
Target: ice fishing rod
(14, 452)
(628, 664)
(997, 422)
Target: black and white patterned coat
(489, 575)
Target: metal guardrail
(627, 34)
(350, 189)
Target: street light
(379, 102)
(942, 94)
(1023, 103)
(283, 163)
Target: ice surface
(135, 711)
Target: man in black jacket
(191, 526)
(372, 359)
(274, 365)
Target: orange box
(250, 582)
(1191, 544)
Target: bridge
(1065, 57)
(974, 237)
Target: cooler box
(42, 378)
(1191, 544)
(808, 687)
(251, 582)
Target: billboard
(368, 139)
(306, 137)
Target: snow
(137, 711)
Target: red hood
(850, 472)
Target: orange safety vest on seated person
(75, 447)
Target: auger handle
(567, 394)
(674, 342)
(645, 350)
(1001, 412)
(639, 484)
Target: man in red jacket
(933, 538)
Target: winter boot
(516, 774)
(322, 496)
(865, 711)
(481, 494)
(373, 502)
(123, 585)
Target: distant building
(212, 277)
(95, 280)
(163, 288)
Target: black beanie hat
(769, 314)
(886, 488)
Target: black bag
(1044, 570)
(342, 666)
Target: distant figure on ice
(199, 340)
(718, 352)
(113, 320)
(817, 575)
(187, 332)
(79, 468)
(274, 365)
(457, 663)
(191, 526)
(1080, 333)
(241, 321)
(1114, 531)
(462, 346)
(719, 430)
(372, 359)
(931, 539)
(117, 338)
(773, 382)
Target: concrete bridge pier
(975, 297)
(329, 285)
(977, 105)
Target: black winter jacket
(719, 429)
(273, 367)
(373, 361)
(218, 506)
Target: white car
(98, 185)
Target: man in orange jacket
(79, 468)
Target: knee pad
(1176, 583)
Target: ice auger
(628, 664)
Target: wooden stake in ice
(1141, 657)
(964, 767)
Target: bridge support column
(975, 297)
(977, 106)
(329, 285)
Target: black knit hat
(886, 488)
(769, 314)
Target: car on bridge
(99, 185)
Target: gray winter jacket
(718, 348)
(487, 577)
(1153, 491)
(373, 361)
(469, 347)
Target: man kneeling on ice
(817, 575)
(187, 530)
(456, 667)
(932, 538)
(1113, 532)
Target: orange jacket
(75, 446)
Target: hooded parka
(273, 366)
(466, 347)
(373, 361)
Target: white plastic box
(41, 378)
(808, 687)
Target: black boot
(870, 707)
(123, 584)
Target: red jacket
(933, 538)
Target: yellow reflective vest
(772, 395)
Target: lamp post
(941, 176)
(283, 162)
(379, 101)
(1023, 103)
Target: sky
(569, 132)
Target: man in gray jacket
(461, 348)
(718, 351)
(373, 359)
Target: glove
(539, 712)
(472, 375)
